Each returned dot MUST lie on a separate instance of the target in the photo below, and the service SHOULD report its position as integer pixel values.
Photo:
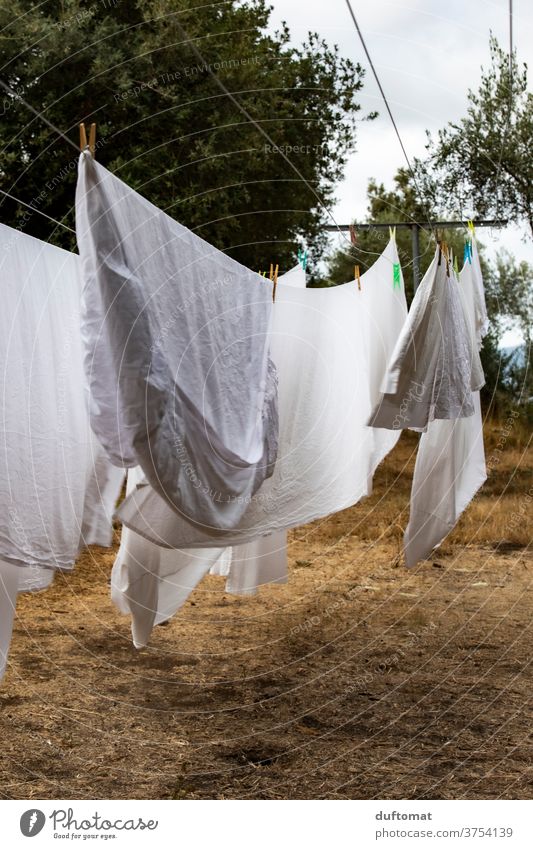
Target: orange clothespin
(358, 277)
(92, 139)
(275, 280)
(353, 234)
(446, 253)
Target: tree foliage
(483, 165)
(163, 125)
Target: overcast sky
(427, 54)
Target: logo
(32, 822)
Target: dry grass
(358, 679)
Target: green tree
(164, 126)
(483, 165)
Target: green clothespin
(396, 276)
(302, 259)
(456, 266)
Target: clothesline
(38, 211)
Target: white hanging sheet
(256, 563)
(9, 587)
(176, 336)
(430, 375)
(151, 582)
(322, 348)
(295, 277)
(450, 463)
(57, 490)
(481, 319)
(382, 300)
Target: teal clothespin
(468, 252)
(396, 278)
(302, 259)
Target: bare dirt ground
(357, 679)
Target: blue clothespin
(302, 259)
(468, 252)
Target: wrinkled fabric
(430, 375)
(384, 307)
(322, 349)
(256, 563)
(151, 583)
(57, 490)
(9, 587)
(480, 315)
(53, 472)
(14, 580)
(450, 464)
(176, 338)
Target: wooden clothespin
(446, 252)
(275, 281)
(92, 139)
(353, 234)
(358, 277)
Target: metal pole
(415, 233)
(407, 225)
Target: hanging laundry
(151, 583)
(295, 277)
(450, 464)
(57, 490)
(383, 312)
(431, 373)
(256, 563)
(481, 319)
(323, 348)
(176, 336)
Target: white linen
(430, 375)
(9, 585)
(256, 563)
(295, 277)
(51, 467)
(450, 464)
(373, 316)
(382, 300)
(481, 320)
(176, 336)
(57, 490)
(322, 348)
(151, 583)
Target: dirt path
(357, 679)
